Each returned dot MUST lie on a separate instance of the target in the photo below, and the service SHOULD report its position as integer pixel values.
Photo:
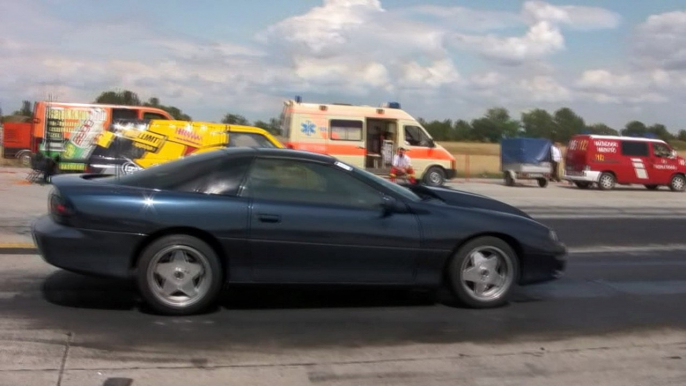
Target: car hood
(459, 198)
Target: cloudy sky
(611, 61)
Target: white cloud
(661, 41)
(577, 17)
(545, 89)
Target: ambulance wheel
(678, 183)
(435, 176)
(542, 182)
(652, 187)
(606, 181)
(509, 181)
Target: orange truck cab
(16, 141)
(70, 130)
(366, 137)
(609, 160)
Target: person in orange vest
(402, 165)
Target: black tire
(435, 176)
(678, 183)
(542, 182)
(462, 259)
(652, 187)
(582, 184)
(606, 181)
(509, 181)
(150, 256)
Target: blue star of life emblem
(308, 128)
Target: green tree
(567, 124)
(682, 135)
(538, 123)
(172, 110)
(635, 129)
(660, 131)
(601, 129)
(273, 126)
(494, 126)
(124, 97)
(235, 119)
(462, 131)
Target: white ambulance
(366, 137)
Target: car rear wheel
(678, 183)
(483, 272)
(435, 176)
(509, 181)
(179, 275)
(606, 181)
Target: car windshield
(390, 185)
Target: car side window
(660, 150)
(415, 136)
(248, 140)
(635, 148)
(308, 183)
(227, 177)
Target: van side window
(147, 115)
(344, 130)
(660, 150)
(635, 148)
(415, 136)
(124, 114)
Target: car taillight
(59, 208)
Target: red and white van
(610, 160)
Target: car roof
(283, 153)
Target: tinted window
(661, 150)
(154, 116)
(248, 140)
(227, 177)
(185, 175)
(415, 136)
(344, 130)
(635, 148)
(306, 182)
(124, 114)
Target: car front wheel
(483, 272)
(435, 176)
(606, 181)
(179, 275)
(678, 183)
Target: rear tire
(678, 183)
(435, 176)
(483, 273)
(509, 181)
(606, 181)
(24, 158)
(179, 275)
(542, 182)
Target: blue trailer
(526, 159)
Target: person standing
(556, 156)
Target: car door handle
(270, 218)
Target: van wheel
(652, 187)
(24, 158)
(542, 182)
(606, 181)
(435, 176)
(678, 183)
(179, 275)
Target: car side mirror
(390, 205)
(673, 154)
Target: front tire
(483, 273)
(678, 183)
(435, 176)
(542, 182)
(179, 275)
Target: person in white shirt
(402, 165)
(556, 156)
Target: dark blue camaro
(243, 215)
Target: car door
(662, 164)
(634, 168)
(317, 223)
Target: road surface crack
(64, 358)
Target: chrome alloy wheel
(487, 273)
(177, 276)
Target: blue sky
(611, 61)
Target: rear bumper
(583, 176)
(544, 266)
(85, 251)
